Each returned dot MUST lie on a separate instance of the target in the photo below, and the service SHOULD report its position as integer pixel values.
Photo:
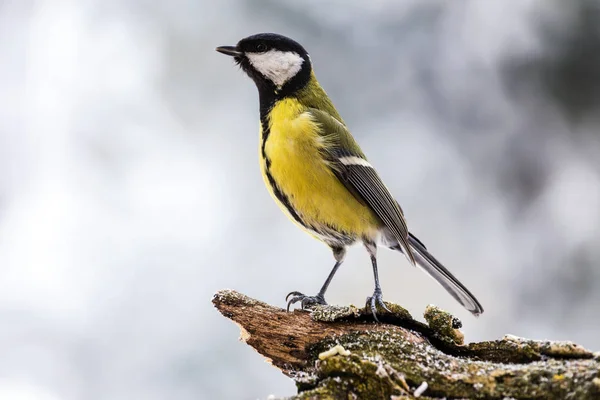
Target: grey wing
(362, 180)
(436, 270)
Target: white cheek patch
(277, 66)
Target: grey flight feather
(438, 272)
(365, 181)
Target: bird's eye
(261, 47)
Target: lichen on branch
(341, 353)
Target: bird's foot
(305, 301)
(376, 300)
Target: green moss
(334, 313)
(396, 311)
(361, 377)
(518, 350)
(329, 389)
(228, 296)
(564, 349)
(503, 351)
(345, 313)
(382, 361)
(596, 383)
(444, 325)
(306, 381)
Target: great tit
(317, 173)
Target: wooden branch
(341, 353)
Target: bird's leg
(377, 298)
(307, 301)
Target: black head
(278, 65)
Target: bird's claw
(374, 301)
(305, 301)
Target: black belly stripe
(281, 196)
(276, 191)
(266, 130)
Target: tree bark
(341, 353)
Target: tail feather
(438, 272)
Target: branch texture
(341, 353)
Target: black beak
(229, 50)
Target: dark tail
(438, 272)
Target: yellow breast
(293, 148)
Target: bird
(318, 175)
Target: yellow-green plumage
(295, 147)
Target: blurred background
(130, 190)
